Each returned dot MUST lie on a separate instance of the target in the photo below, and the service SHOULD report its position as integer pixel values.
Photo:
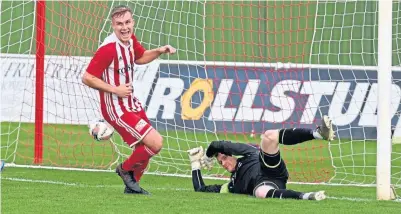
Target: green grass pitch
(57, 191)
(54, 191)
(338, 40)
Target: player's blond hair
(119, 11)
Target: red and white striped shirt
(113, 62)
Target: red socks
(138, 161)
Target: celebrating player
(259, 172)
(111, 72)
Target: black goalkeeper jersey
(248, 171)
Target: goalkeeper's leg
(272, 138)
(269, 191)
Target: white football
(101, 130)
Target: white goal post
(384, 79)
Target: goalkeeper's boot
(317, 196)
(128, 179)
(326, 129)
(130, 191)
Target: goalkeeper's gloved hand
(206, 162)
(195, 156)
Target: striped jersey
(113, 62)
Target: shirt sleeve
(211, 188)
(138, 48)
(100, 62)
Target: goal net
(242, 67)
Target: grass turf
(54, 191)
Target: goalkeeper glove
(195, 155)
(206, 162)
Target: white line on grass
(80, 185)
(179, 175)
(350, 199)
(119, 186)
(45, 182)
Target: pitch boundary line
(209, 177)
(175, 189)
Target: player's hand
(206, 162)
(195, 154)
(167, 49)
(124, 90)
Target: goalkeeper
(259, 172)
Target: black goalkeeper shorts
(273, 169)
(275, 183)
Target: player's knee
(262, 191)
(157, 143)
(154, 141)
(270, 137)
(269, 143)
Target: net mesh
(242, 67)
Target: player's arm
(93, 75)
(195, 156)
(143, 56)
(96, 83)
(217, 188)
(199, 185)
(150, 55)
(229, 148)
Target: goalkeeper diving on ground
(259, 172)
